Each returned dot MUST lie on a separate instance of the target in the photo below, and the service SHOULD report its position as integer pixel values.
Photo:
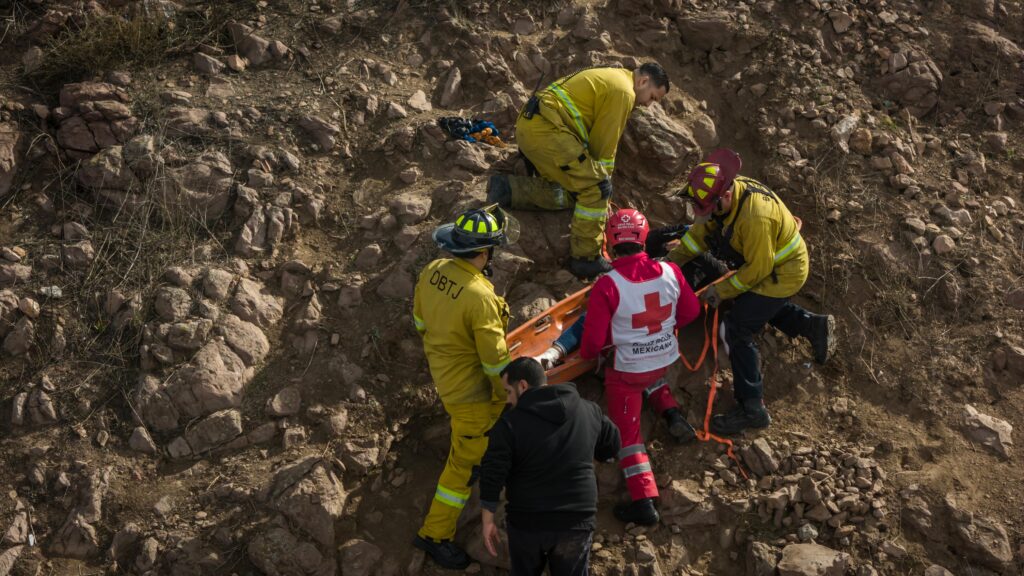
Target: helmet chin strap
(487, 270)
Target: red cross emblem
(653, 315)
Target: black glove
(658, 237)
(605, 186)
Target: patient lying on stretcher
(698, 273)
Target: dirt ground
(212, 214)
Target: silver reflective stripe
(631, 450)
(636, 469)
(661, 383)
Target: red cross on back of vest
(653, 315)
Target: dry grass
(100, 45)
(111, 42)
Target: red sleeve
(604, 300)
(688, 307)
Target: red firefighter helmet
(711, 179)
(626, 225)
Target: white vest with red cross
(644, 324)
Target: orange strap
(707, 342)
(705, 435)
(704, 351)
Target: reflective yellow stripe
(691, 244)
(418, 322)
(589, 214)
(557, 90)
(737, 284)
(494, 369)
(451, 497)
(607, 162)
(788, 248)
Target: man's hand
(491, 537)
(549, 358)
(711, 297)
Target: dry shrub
(102, 44)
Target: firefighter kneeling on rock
(745, 225)
(569, 133)
(636, 308)
(463, 324)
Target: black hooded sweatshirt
(543, 451)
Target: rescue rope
(711, 342)
(705, 435)
(707, 342)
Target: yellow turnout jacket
(595, 104)
(767, 237)
(463, 324)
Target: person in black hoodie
(542, 453)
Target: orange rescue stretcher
(534, 337)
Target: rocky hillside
(212, 214)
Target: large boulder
(812, 560)
(254, 303)
(213, 380)
(359, 558)
(95, 115)
(310, 494)
(277, 552)
(655, 149)
(913, 79)
(107, 171)
(199, 189)
(216, 429)
(245, 338)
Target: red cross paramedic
(636, 308)
(653, 315)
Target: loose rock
(993, 433)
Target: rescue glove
(656, 245)
(711, 297)
(605, 186)
(550, 357)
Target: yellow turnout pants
(470, 424)
(570, 176)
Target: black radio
(532, 107)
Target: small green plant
(886, 122)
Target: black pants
(748, 315)
(565, 553)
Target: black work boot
(823, 337)
(589, 267)
(445, 553)
(749, 414)
(499, 190)
(678, 427)
(640, 512)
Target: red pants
(625, 394)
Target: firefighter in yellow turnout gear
(570, 132)
(463, 324)
(747, 226)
